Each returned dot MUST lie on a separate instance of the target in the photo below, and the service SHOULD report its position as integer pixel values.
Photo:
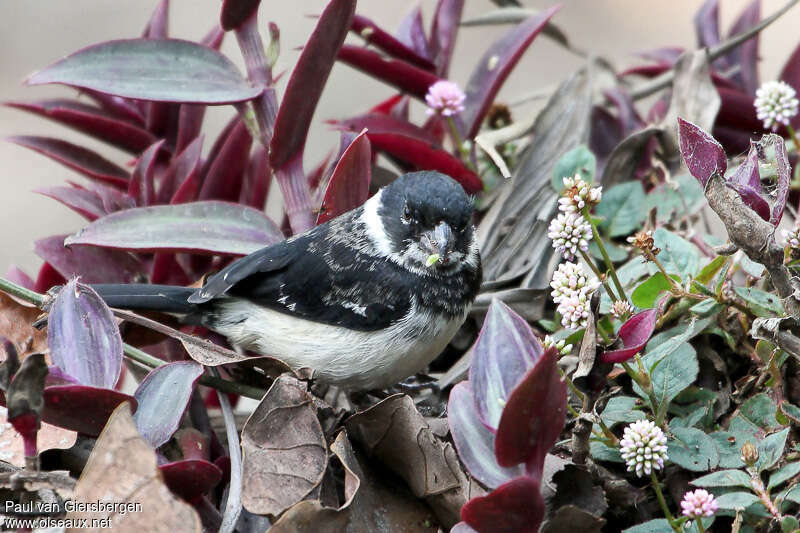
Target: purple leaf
(142, 187)
(163, 396)
(223, 181)
(91, 121)
(634, 334)
(376, 36)
(790, 73)
(747, 173)
(474, 441)
(166, 270)
(81, 408)
(411, 32)
(736, 120)
(83, 336)
(505, 350)
(93, 265)
(119, 107)
(86, 203)
(190, 478)
(495, 66)
(384, 123)
(443, 33)
(706, 24)
(213, 39)
(752, 199)
(784, 177)
(157, 26)
(235, 12)
(48, 278)
(745, 56)
(307, 81)
(165, 70)
(190, 122)
(18, 276)
(404, 76)
(533, 417)
(702, 153)
(77, 158)
(257, 180)
(515, 507)
(183, 168)
(200, 227)
(348, 187)
(113, 199)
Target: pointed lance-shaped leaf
(376, 36)
(634, 334)
(163, 70)
(385, 123)
(210, 227)
(47, 278)
(411, 32)
(223, 181)
(83, 336)
(257, 180)
(706, 24)
(20, 277)
(752, 198)
(348, 187)
(118, 106)
(474, 441)
(81, 408)
(444, 30)
(235, 12)
(80, 159)
(514, 507)
(399, 74)
(790, 73)
(495, 66)
(158, 25)
(190, 123)
(747, 173)
(183, 168)
(163, 396)
(533, 417)
(745, 56)
(213, 39)
(702, 153)
(142, 186)
(86, 203)
(92, 264)
(505, 350)
(91, 121)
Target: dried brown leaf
(16, 325)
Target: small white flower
(578, 194)
(445, 97)
(699, 503)
(562, 346)
(570, 232)
(643, 447)
(776, 103)
(792, 238)
(572, 291)
(621, 309)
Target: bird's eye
(406, 214)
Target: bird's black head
(423, 221)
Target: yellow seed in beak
(432, 260)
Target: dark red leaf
(93, 265)
(257, 180)
(213, 39)
(308, 80)
(496, 64)
(747, 173)
(235, 12)
(318, 174)
(83, 160)
(651, 71)
(380, 123)
(634, 334)
(190, 478)
(190, 122)
(745, 56)
(411, 32)
(706, 23)
(142, 187)
(533, 417)
(386, 107)
(167, 271)
(790, 73)
(514, 507)
(113, 199)
(224, 178)
(81, 408)
(86, 203)
(158, 25)
(443, 33)
(394, 72)
(752, 199)
(701, 152)
(91, 121)
(118, 106)
(375, 35)
(348, 187)
(48, 278)
(183, 174)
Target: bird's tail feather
(141, 296)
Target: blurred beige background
(36, 33)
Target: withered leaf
(285, 455)
(16, 325)
(394, 432)
(122, 470)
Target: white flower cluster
(562, 346)
(621, 309)
(570, 232)
(792, 238)
(776, 103)
(578, 194)
(643, 447)
(572, 290)
(698, 503)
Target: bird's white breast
(349, 358)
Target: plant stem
(458, 142)
(662, 502)
(600, 275)
(604, 253)
(136, 354)
(793, 135)
(699, 522)
(571, 385)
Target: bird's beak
(438, 242)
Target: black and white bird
(364, 300)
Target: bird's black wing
(320, 276)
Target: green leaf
(669, 201)
(729, 445)
(789, 524)
(760, 411)
(659, 525)
(709, 271)
(733, 501)
(579, 160)
(600, 452)
(693, 450)
(648, 291)
(674, 373)
(723, 478)
(691, 419)
(793, 495)
(621, 409)
(791, 411)
(784, 474)
(706, 308)
(751, 267)
(761, 302)
(678, 255)
(615, 253)
(770, 450)
(163, 70)
(621, 207)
